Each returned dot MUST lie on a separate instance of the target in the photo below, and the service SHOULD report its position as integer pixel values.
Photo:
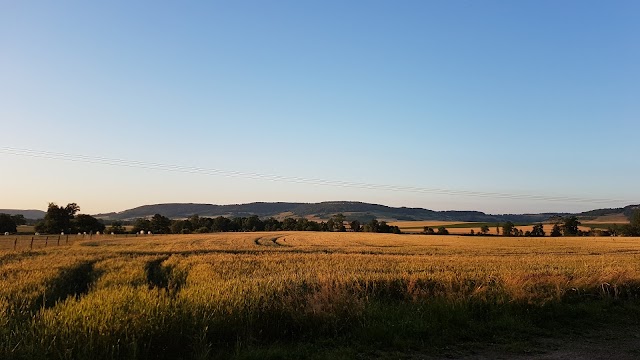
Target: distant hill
(323, 210)
(183, 210)
(28, 214)
(610, 213)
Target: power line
(290, 179)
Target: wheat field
(228, 294)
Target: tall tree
(141, 225)
(7, 224)
(19, 219)
(355, 225)
(88, 224)
(338, 222)
(570, 226)
(442, 230)
(371, 226)
(633, 228)
(221, 224)
(58, 219)
(160, 224)
(556, 230)
(428, 230)
(507, 229)
(538, 230)
(117, 228)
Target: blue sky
(516, 97)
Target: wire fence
(34, 242)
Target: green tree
(290, 224)
(338, 222)
(221, 224)
(58, 219)
(556, 230)
(194, 222)
(570, 226)
(442, 230)
(141, 225)
(507, 229)
(19, 219)
(88, 224)
(160, 224)
(633, 228)
(7, 224)
(355, 225)
(181, 227)
(371, 226)
(428, 230)
(484, 229)
(117, 228)
(253, 223)
(635, 218)
(538, 230)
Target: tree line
(10, 223)
(159, 224)
(563, 226)
(68, 220)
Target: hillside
(323, 210)
(609, 215)
(28, 214)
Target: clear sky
(517, 97)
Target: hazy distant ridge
(320, 210)
(29, 214)
(323, 210)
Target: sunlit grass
(219, 295)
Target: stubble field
(306, 294)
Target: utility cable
(289, 179)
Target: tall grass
(226, 295)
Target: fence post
(15, 244)
(67, 241)
(32, 243)
(58, 240)
(46, 241)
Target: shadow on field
(71, 282)
(161, 276)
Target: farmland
(462, 228)
(306, 294)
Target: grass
(306, 295)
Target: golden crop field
(228, 294)
(416, 227)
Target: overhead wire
(290, 179)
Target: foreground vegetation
(306, 294)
